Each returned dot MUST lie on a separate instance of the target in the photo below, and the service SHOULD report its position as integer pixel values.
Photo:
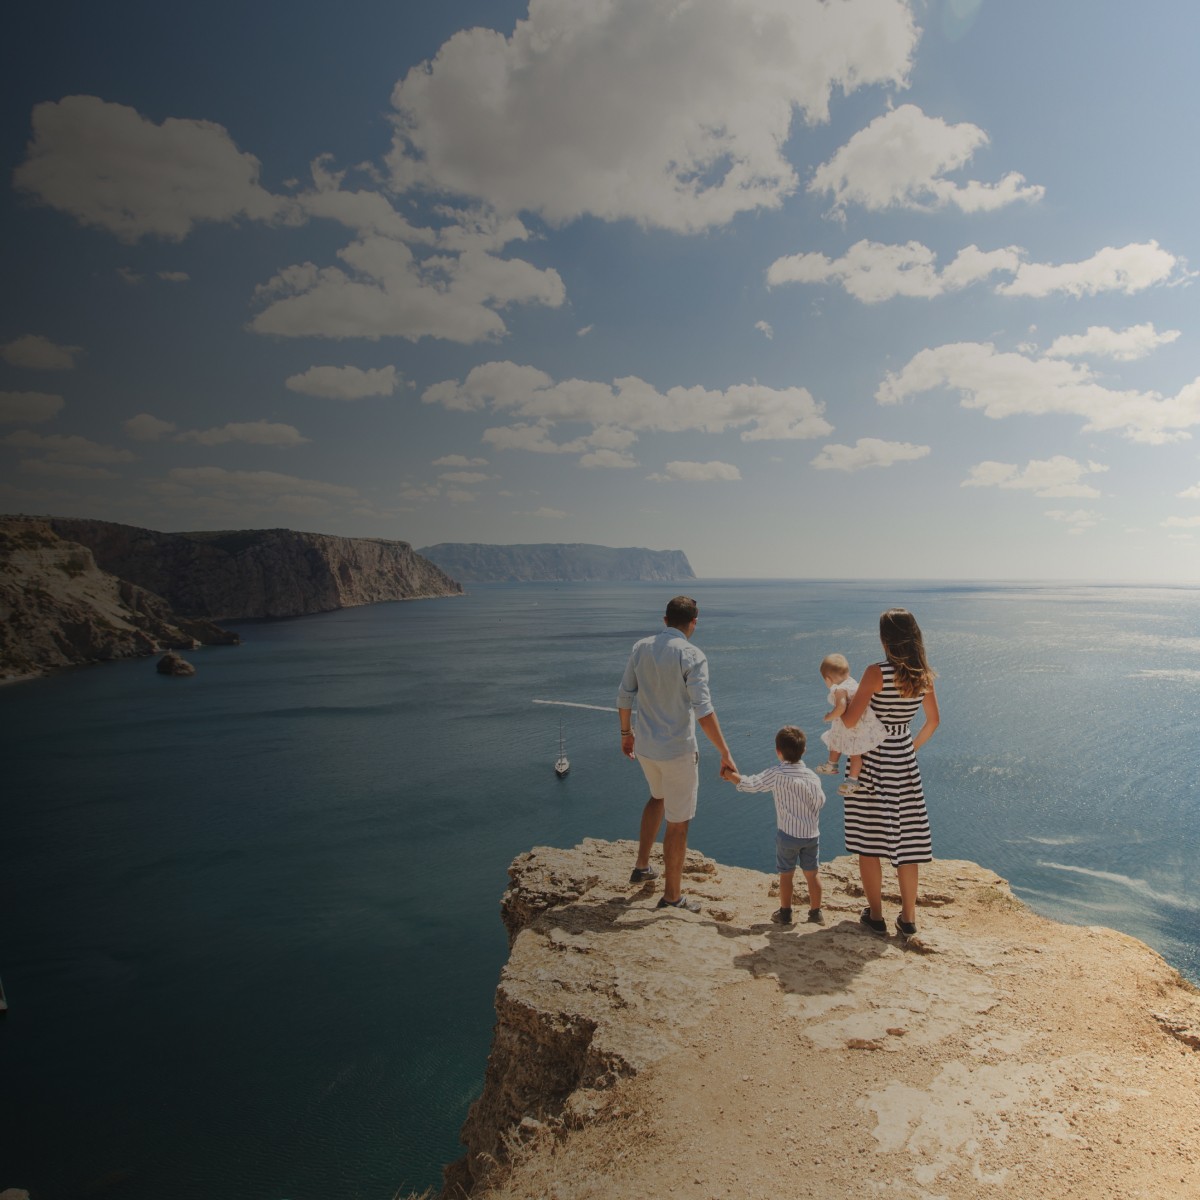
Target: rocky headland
(566, 562)
(74, 592)
(239, 574)
(59, 609)
(998, 1054)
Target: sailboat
(563, 765)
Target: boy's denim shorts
(791, 852)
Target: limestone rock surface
(248, 573)
(652, 1052)
(59, 609)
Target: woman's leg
(907, 875)
(870, 871)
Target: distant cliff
(550, 561)
(59, 609)
(238, 574)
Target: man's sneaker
(875, 926)
(782, 916)
(826, 768)
(684, 902)
(816, 916)
(642, 875)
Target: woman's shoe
(905, 928)
(875, 925)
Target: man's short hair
(790, 742)
(681, 611)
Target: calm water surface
(250, 928)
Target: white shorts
(676, 782)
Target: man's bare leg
(652, 816)
(674, 851)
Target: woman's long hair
(905, 650)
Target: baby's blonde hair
(837, 665)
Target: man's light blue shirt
(667, 678)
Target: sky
(804, 288)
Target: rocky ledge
(997, 1054)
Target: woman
(888, 818)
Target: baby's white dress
(866, 735)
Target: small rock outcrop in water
(59, 609)
(566, 562)
(998, 1054)
(240, 574)
(173, 664)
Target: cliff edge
(246, 573)
(651, 1052)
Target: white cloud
(459, 460)
(463, 476)
(28, 408)
(1077, 520)
(698, 472)
(66, 448)
(874, 271)
(37, 353)
(146, 428)
(258, 433)
(459, 496)
(1192, 493)
(764, 327)
(867, 452)
(554, 514)
(584, 331)
(673, 115)
(1124, 345)
(57, 469)
(236, 495)
(901, 160)
(130, 276)
(610, 459)
(344, 383)
(1059, 477)
(1182, 522)
(110, 167)
(628, 403)
(1127, 269)
(1004, 384)
(389, 292)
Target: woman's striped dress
(891, 822)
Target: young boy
(799, 798)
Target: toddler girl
(854, 743)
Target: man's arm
(626, 695)
(712, 731)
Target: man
(668, 678)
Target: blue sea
(249, 922)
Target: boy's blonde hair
(837, 665)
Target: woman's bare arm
(872, 681)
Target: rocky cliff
(998, 1054)
(565, 562)
(239, 574)
(58, 608)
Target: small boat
(563, 765)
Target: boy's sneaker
(782, 916)
(816, 916)
(855, 787)
(875, 926)
(642, 874)
(826, 768)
